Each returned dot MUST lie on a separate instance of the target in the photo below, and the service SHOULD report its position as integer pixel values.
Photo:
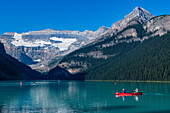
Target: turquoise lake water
(77, 97)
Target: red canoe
(128, 94)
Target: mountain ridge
(113, 47)
(42, 50)
(38, 48)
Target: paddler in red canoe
(136, 90)
(133, 93)
(124, 91)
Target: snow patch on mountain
(66, 42)
(38, 60)
(20, 42)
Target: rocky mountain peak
(139, 12)
(138, 15)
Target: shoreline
(149, 81)
(129, 81)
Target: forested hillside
(125, 58)
(149, 60)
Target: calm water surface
(91, 97)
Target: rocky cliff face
(158, 26)
(39, 49)
(137, 16)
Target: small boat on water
(129, 94)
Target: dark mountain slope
(11, 69)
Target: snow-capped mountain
(39, 48)
(42, 50)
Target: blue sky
(30, 15)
